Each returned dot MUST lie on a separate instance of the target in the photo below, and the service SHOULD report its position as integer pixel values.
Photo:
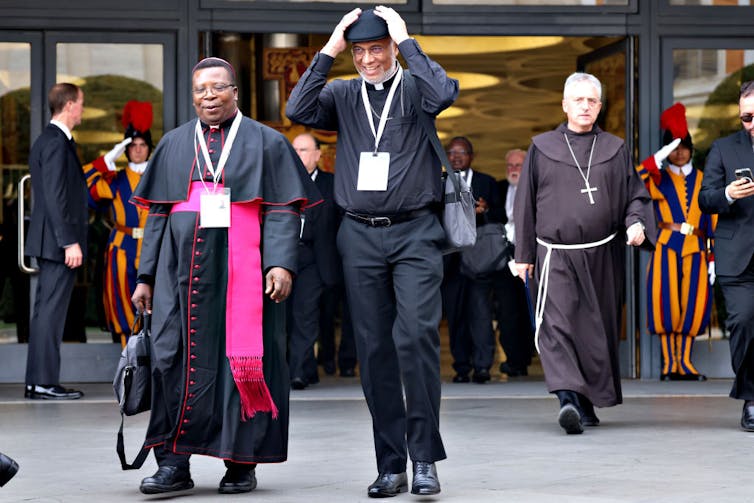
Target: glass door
(705, 74)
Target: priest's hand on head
(635, 234)
(396, 26)
(665, 151)
(142, 298)
(278, 283)
(337, 42)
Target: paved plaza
(669, 442)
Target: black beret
(367, 27)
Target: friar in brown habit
(579, 200)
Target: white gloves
(665, 151)
(711, 272)
(116, 152)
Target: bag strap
(145, 319)
(428, 125)
(120, 448)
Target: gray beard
(385, 76)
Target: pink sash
(244, 345)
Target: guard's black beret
(367, 27)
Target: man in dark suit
(727, 192)
(511, 308)
(467, 297)
(317, 268)
(56, 237)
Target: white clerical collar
(137, 167)
(685, 169)
(63, 128)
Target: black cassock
(578, 337)
(195, 403)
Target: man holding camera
(726, 190)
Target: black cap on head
(368, 27)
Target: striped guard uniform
(678, 300)
(112, 190)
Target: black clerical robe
(195, 402)
(578, 337)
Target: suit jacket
(59, 214)
(502, 187)
(483, 185)
(734, 235)
(320, 228)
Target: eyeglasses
(747, 118)
(375, 50)
(215, 89)
(456, 152)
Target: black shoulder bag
(133, 384)
(458, 216)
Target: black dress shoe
(347, 372)
(387, 485)
(8, 469)
(688, 377)
(569, 419)
(425, 479)
(167, 479)
(667, 377)
(51, 392)
(298, 383)
(461, 378)
(747, 416)
(481, 376)
(329, 367)
(238, 481)
(505, 368)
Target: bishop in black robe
(580, 328)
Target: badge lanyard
(385, 110)
(216, 172)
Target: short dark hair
(213, 62)
(465, 140)
(747, 89)
(60, 94)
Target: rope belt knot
(544, 277)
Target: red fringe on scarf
(255, 395)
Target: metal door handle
(21, 264)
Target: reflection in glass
(15, 81)
(714, 3)
(110, 75)
(707, 82)
(579, 3)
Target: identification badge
(373, 171)
(215, 209)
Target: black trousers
(334, 298)
(165, 457)
(53, 294)
(468, 309)
(739, 302)
(513, 319)
(392, 276)
(303, 327)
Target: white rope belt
(544, 278)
